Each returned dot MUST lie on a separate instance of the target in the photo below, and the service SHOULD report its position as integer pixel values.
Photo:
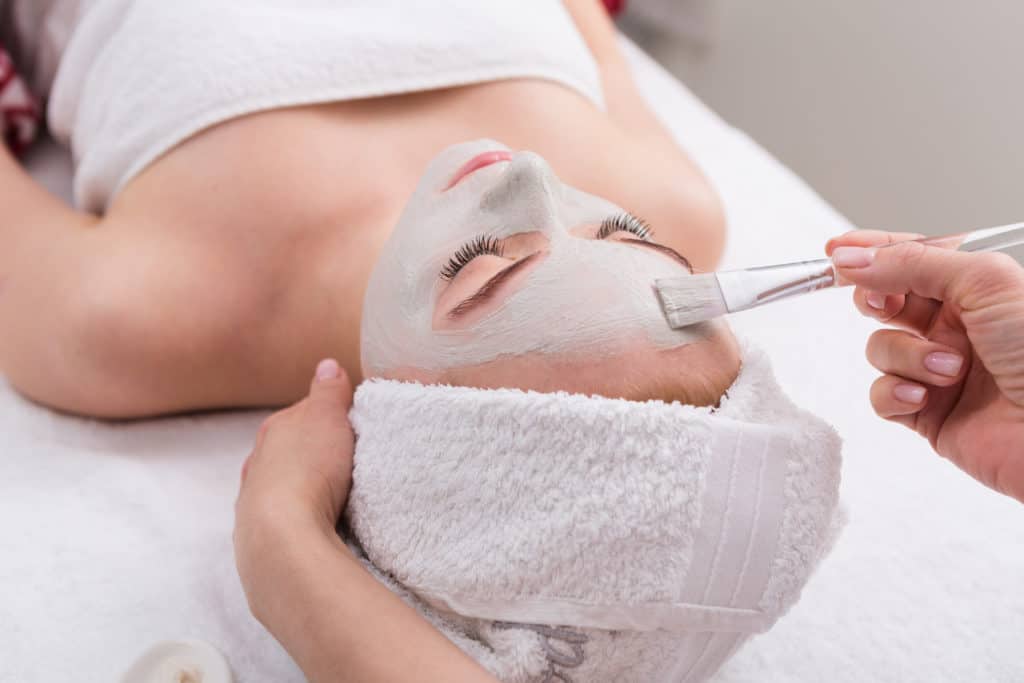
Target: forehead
(697, 374)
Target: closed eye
(486, 268)
(627, 222)
(487, 290)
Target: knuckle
(908, 255)
(261, 433)
(879, 347)
(322, 412)
(1003, 267)
(879, 395)
(993, 274)
(275, 422)
(270, 423)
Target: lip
(478, 162)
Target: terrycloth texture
(653, 537)
(190, 64)
(116, 536)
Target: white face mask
(584, 296)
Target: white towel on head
(564, 537)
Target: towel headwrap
(559, 537)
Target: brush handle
(989, 239)
(743, 289)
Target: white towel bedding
(113, 537)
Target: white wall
(905, 114)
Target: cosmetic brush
(695, 298)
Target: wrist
(315, 604)
(289, 517)
(276, 550)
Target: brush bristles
(690, 300)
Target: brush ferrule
(743, 289)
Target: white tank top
(136, 77)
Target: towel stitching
(718, 549)
(755, 526)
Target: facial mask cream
(584, 296)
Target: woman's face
(497, 274)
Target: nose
(528, 187)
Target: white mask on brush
(585, 296)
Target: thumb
(331, 390)
(924, 270)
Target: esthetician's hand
(296, 481)
(302, 582)
(955, 371)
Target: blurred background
(904, 115)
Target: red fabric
(19, 112)
(614, 6)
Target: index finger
(911, 268)
(868, 238)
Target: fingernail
(327, 369)
(853, 257)
(947, 364)
(909, 393)
(876, 300)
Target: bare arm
(335, 619)
(623, 100)
(340, 624)
(699, 231)
(27, 205)
(44, 247)
(85, 330)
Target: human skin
(332, 616)
(954, 370)
(221, 274)
(561, 292)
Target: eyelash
(625, 222)
(484, 244)
(478, 246)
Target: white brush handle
(989, 239)
(743, 289)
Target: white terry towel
(559, 537)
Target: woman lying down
(551, 532)
(563, 485)
(638, 503)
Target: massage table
(114, 536)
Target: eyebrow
(487, 290)
(668, 251)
